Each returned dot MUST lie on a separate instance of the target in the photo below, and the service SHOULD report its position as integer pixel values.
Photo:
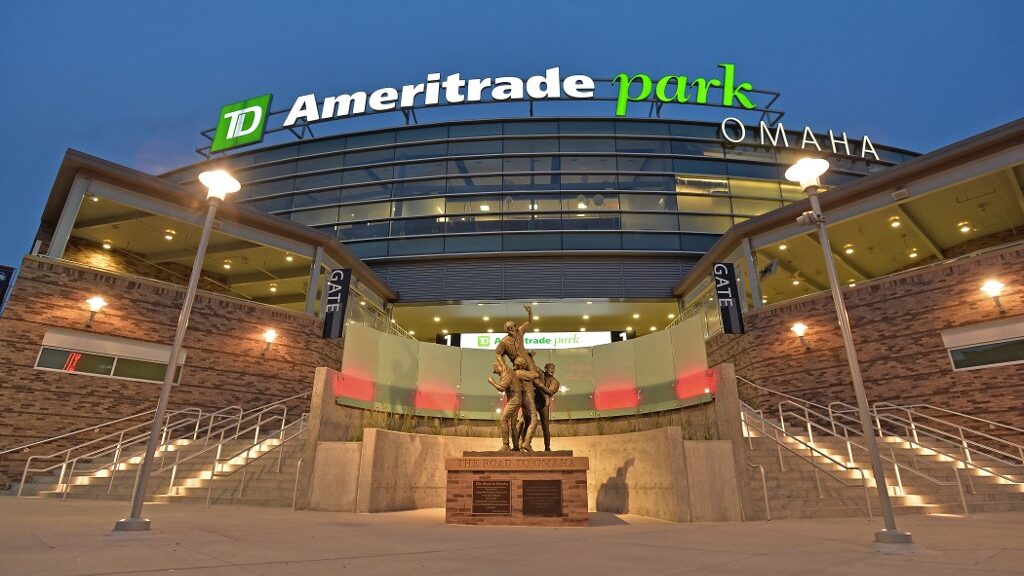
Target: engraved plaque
(492, 497)
(542, 498)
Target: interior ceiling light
(485, 208)
(783, 246)
(289, 258)
(965, 227)
(895, 222)
(169, 234)
(629, 328)
(94, 198)
(362, 302)
(913, 253)
(437, 318)
(586, 317)
(796, 281)
(490, 330)
(588, 302)
(848, 248)
(107, 245)
(583, 329)
(273, 287)
(536, 329)
(581, 205)
(671, 316)
(636, 315)
(445, 331)
(653, 328)
(536, 317)
(486, 318)
(412, 332)
(227, 264)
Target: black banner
(727, 289)
(6, 275)
(338, 286)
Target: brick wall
(896, 327)
(225, 365)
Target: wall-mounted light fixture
(268, 337)
(993, 288)
(96, 303)
(800, 329)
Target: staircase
(249, 457)
(812, 472)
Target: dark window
(70, 361)
(362, 230)
(701, 149)
(419, 152)
(318, 181)
(468, 130)
(427, 133)
(369, 157)
(474, 166)
(416, 246)
(589, 182)
(531, 242)
(585, 127)
(699, 166)
(586, 145)
(308, 199)
(641, 146)
(418, 227)
(993, 353)
(473, 243)
(588, 163)
(644, 164)
(419, 188)
(474, 223)
(374, 249)
(373, 139)
(474, 148)
(642, 182)
(531, 145)
(369, 192)
(517, 128)
(649, 241)
(591, 242)
(419, 169)
(642, 128)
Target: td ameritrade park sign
(539, 340)
(245, 122)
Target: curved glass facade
(526, 185)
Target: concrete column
(727, 418)
(314, 279)
(752, 273)
(72, 205)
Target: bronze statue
(513, 344)
(517, 386)
(544, 389)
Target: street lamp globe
(807, 172)
(219, 183)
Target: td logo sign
(241, 123)
(483, 341)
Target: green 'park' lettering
(732, 93)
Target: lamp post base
(131, 525)
(893, 537)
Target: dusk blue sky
(135, 82)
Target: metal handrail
(72, 433)
(954, 413)
(764, 486)
(302, 424)
(765, 424)
(911, 411)
(115, 448)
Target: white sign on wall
(539, 340)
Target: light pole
(807, 172)
(218, 184)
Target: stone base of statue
(517, 489)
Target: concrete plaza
(50, 537)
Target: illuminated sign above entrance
(539, 340)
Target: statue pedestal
(517, 489)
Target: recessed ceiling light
(895, 222)
(445, 331)
(848, 248)
(289, 258)
(94, 198)
(479, 303)
(486, 318)
(764, 300)
(965, 227)
(629, 328)
(485, 208)
(411, 333)
(582, 205)
(536, 317)
(437, 318)
(796, 282)
(273, 287)
(852, 284)
(533, 303)
(636, 315)
(583, 329)
(361, 303)
(536, 329)
(653, 328)
(227, 264)
(586, 316)
(489, 330)
(913, 254)
(589, 302)
(107, 245)
(169, 234)
(783, 246)
(671, 316)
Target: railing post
(913, 427)
(896, 467)
(174, 472)
(298, 466)
(810, 434)
(24, 475)
(67, 484)
(849, 447)
(960, 488)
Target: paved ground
(73, 538)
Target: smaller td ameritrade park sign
(539, 340)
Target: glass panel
(649, 221)
(369, 157)
(422, 151)
(586, 145)
(642, 182)
(530, 145)
(531, 127)
(792, 192)
(417, 246)
(370, 192)
(701, 185)
(751, 153)
(316, 217)
(474, 166)
(75, 361)
(589, 182)
(649, 241)
(532, 164)
(268, 188)
(754, 207)
(473, 205)
(591, 242)
(466, 130)
(588, 163)
(369, 249)
(695, 203)
(372, 139)
(427, 133)
(706, 149)
(419, 169)
(531, 242)
(474, 223)
(418, 227)
(716, 224)
(654, 202)
(271, 154)
(531, 182)
(988, 354)
(426, 207)
(368, 174)
(694, 130)
(758, 188)
(640, 127)
(585, 127)
(322, 163)
(699, 166)
(320, 146)
(641, 146)
(767, 171)
(318, 181)
(272, 204)
(365, 211)
(362, 230)
(642, 164)
(531, 202)
(474, 148)
(140, 370)
(474, 184)
(419, 188)
(590, 221)
(590, 201)
(472, 243)
(325, 198)
(542, 221)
